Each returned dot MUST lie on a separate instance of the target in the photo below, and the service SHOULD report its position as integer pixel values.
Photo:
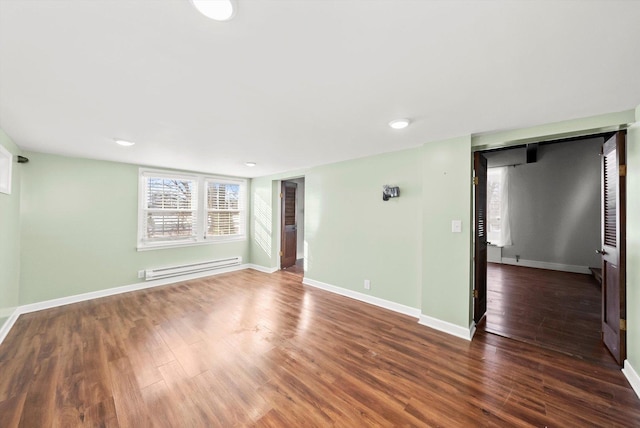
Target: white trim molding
(472, 330)
(447, 327)
(632, 376)
(8, 324)
(546, 265)
(372, 300)
(262, 268)
(47, 304)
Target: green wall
(633, 243)
(446, 256)
(264, 219)
(10, 237)
(79, 228)
(78, 222)
(353, 235)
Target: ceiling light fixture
(124, 143)
(399, 123)
(219, 10)
(250, 164)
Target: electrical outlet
(140, 274)
(367, 284)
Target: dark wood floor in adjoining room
(556, 310)
(297, 269)
(253, 349)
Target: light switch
(456, 226)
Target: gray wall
(555, 203)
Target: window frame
(242, 207)
(201, 211)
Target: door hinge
(475, 181)
(281, 254)
(623, 170)
(623, 325)
(476, 294)
(280, 195)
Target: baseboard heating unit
(166, 272)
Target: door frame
(283, 232)
(276, 185)
(513, 143)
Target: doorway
(292, 226)
(539, 288)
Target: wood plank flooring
(296, 269)
(253, 349)
(557, 310)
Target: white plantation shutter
(170, 208)
(225, 208)
(178, 209)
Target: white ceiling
(296, 83)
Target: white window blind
(170, 208)
(178, 209)
(225, 209)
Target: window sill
(180, 244)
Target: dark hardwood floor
(297, 269)
(253, 349)
(556, 310)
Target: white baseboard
(632, 377)
(47, 304)
(372, 300)
(546, 265)
(4, 328)
(472, 330)
(7, 312)
(262, 268)
(32, 307)
(447, 327)
(425, 320)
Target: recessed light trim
(399, 123)
(124, 143)
(250, 164)
(218, 10)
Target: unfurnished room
(349, 213)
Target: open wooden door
(613, 251)
(289, 227)
(480, 231)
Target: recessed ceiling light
(399, 123)
(250, 164)
(124, 143)
(220, 10)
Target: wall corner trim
(447, 327)
(262, 268)
(632, 376)
(472, 330)
(372, 300)
(4, 329)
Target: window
(6, 161)
(182, 209)
(224, 213)
(499, 232)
